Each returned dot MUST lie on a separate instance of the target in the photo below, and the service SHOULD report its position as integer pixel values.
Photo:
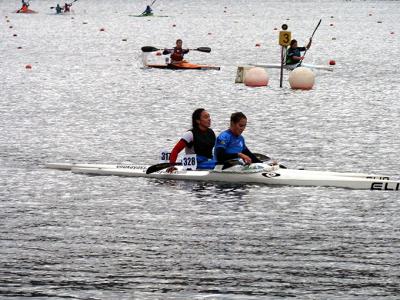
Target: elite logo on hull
(385, 186)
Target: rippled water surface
(87, 99)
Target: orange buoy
(102, 29)
(258, 45)
(332, 62)
(28, 67)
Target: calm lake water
(88, 99)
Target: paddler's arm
(222, 156)
(167, 51)
(174, 154)
(253, 158)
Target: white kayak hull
(292, 67)
(272, 177)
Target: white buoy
(256, 77)
(301, 78)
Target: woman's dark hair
(237, 116)
(292, 42)
(196, 117)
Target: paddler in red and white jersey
(67, 7)
(177, 52)
(199, 140)
(24, 7)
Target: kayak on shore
(261, 173)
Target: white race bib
(165, 156)
(189, 162)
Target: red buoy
(332, 62)
(28, 67)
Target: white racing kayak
(270, 175)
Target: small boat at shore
(261, 174)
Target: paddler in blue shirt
(293, 55)
(147, 11)
(199, 140)
(230, 143)
(177, 52)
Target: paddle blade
(203, 49)
(157, 167)
(149, 49)
(261, 157)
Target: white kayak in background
(264, 174)
(292, 67)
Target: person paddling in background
(58, 9)
(199, 140)
(24, 7)
(230, 143)
(147, 11)
(177, 52)
(67, 7)
(293, 55)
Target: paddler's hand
(247, 160)
(273, 162)
(171, 169)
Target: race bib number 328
(189, 162)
